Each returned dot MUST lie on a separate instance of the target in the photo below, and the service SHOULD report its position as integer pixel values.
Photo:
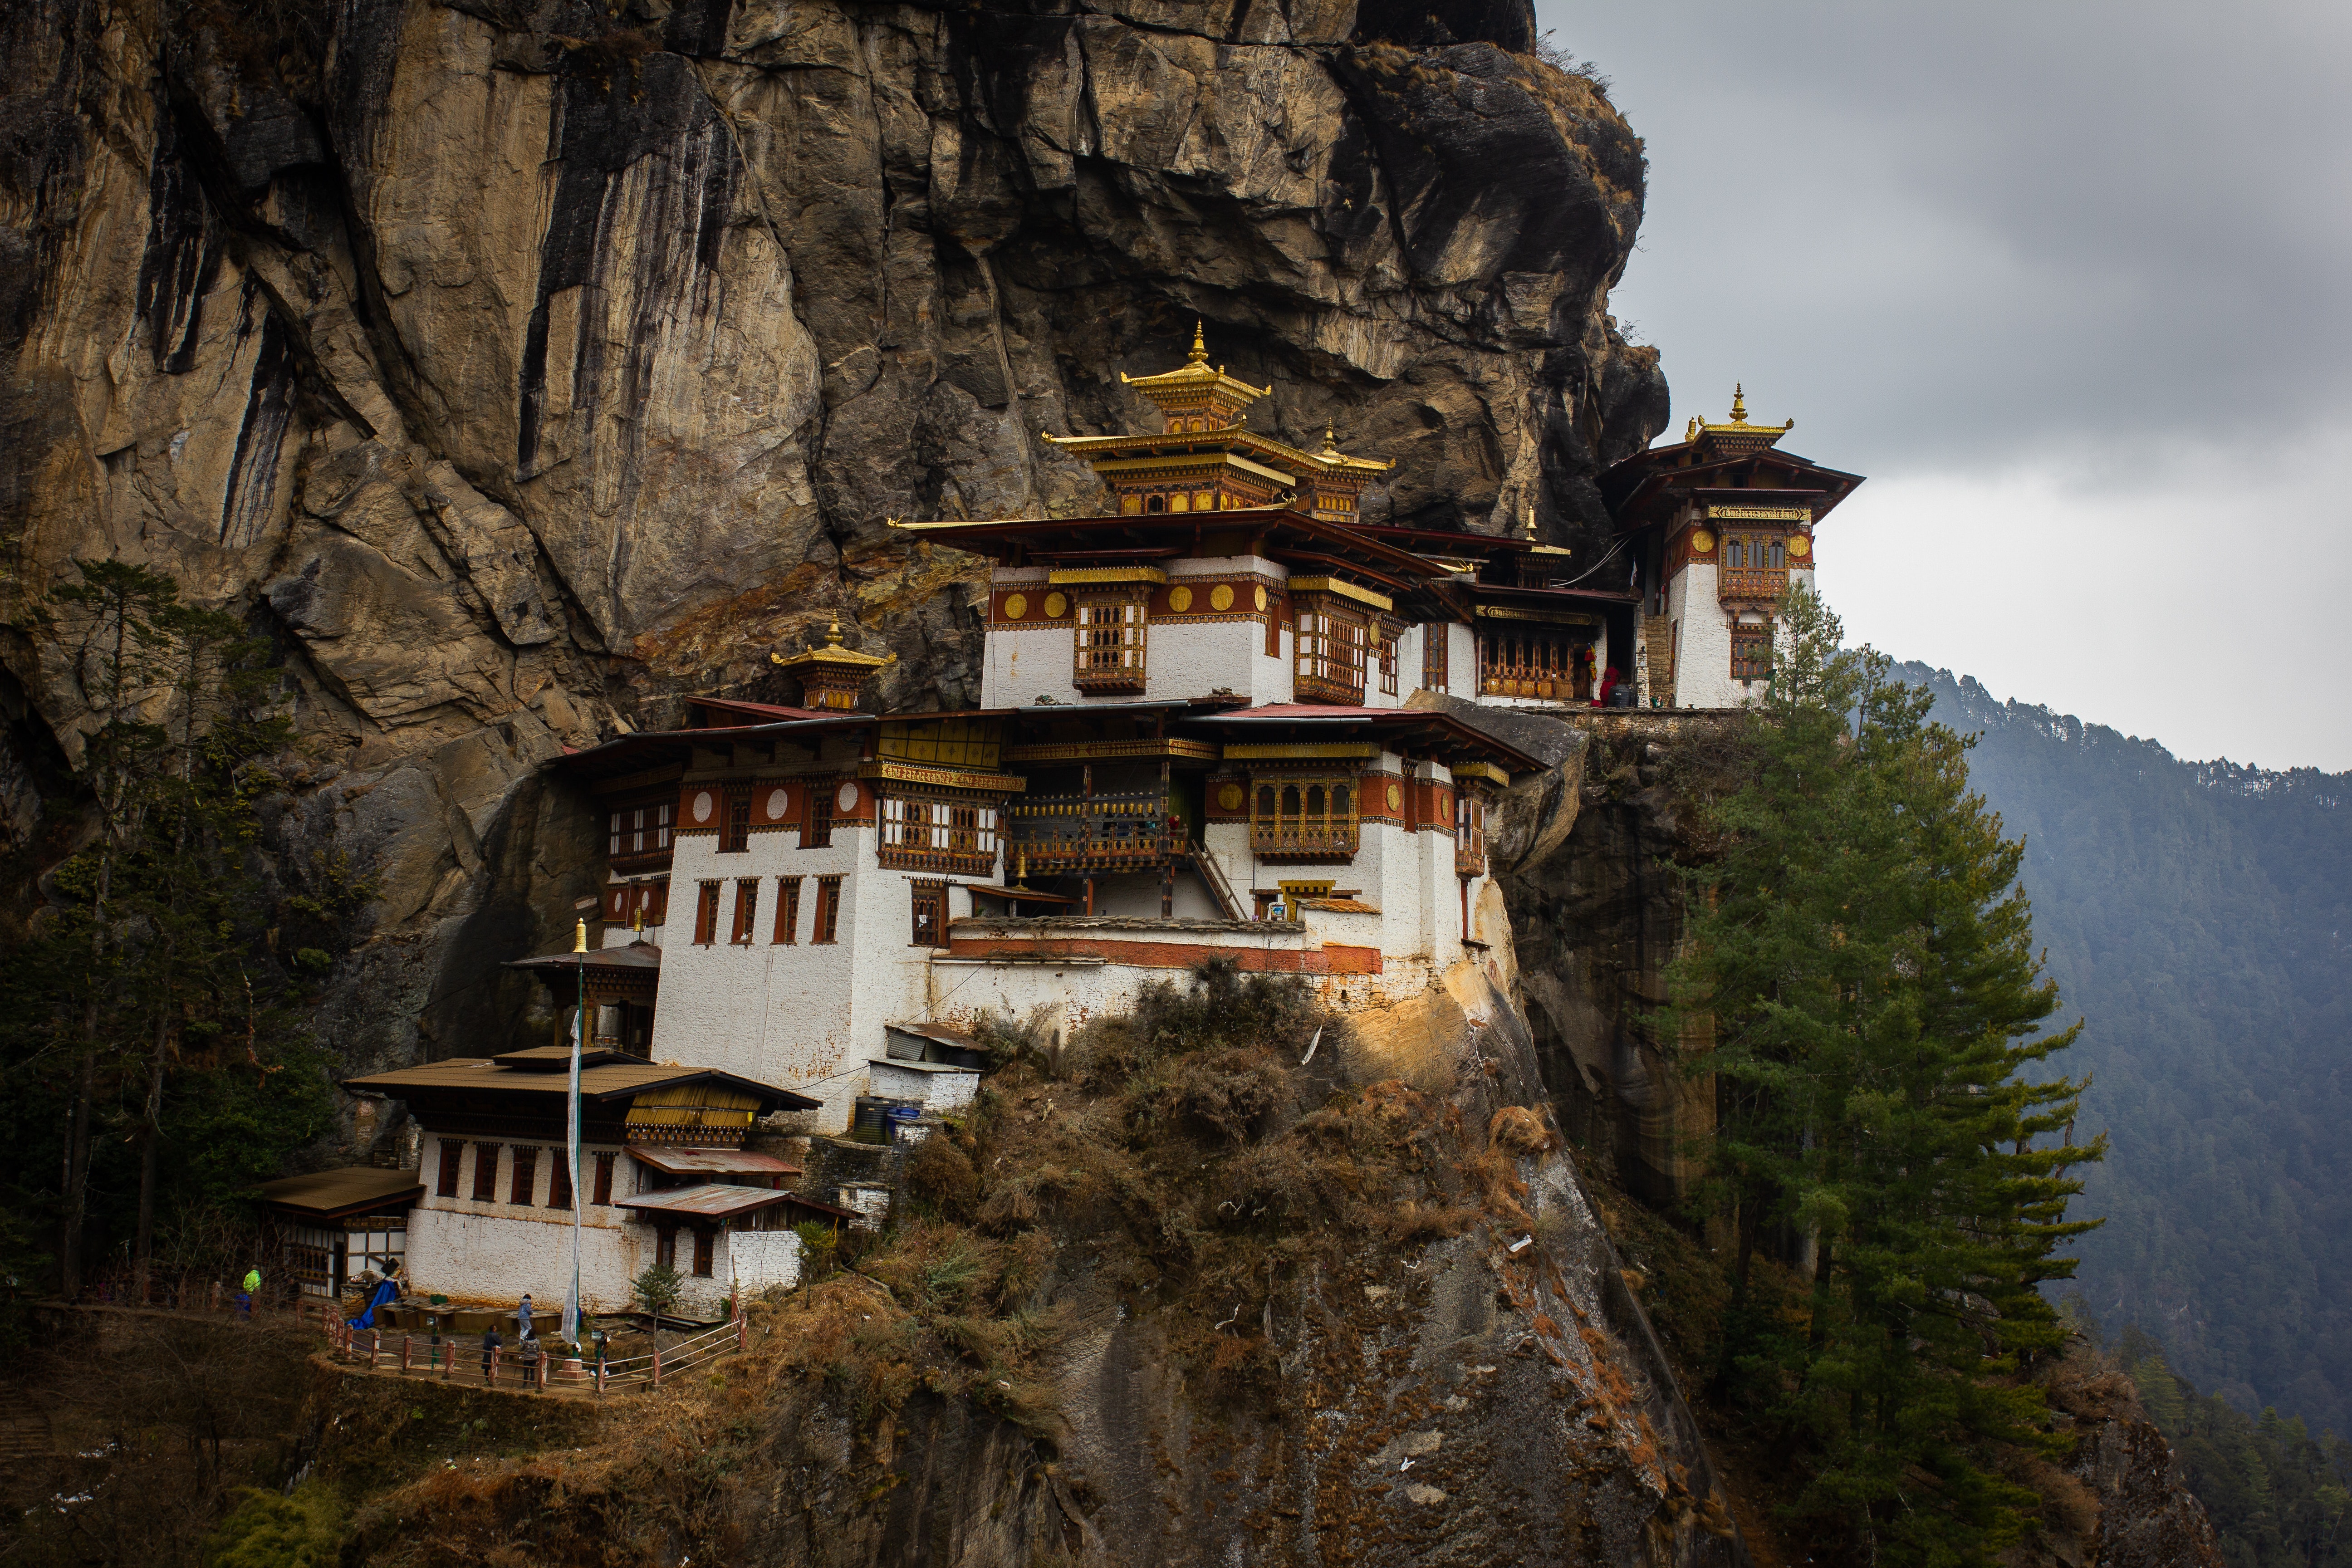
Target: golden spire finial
(833, 637)
(1738, 404)
(1531, 522)
(579, 937)
(1200, 355)
(1691, 434)
(1330, 444)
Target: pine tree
(1863, 957)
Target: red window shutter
(452, 1152)
(702, 1251)
(526, 1176)
(559, 1179)
(486, 1173)
(706, 915)
(604, 1178)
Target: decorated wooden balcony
(1759, 584)
(1126, 832)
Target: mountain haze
(2196, 914)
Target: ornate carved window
(828, 909)
(818, 834)
(1751, 653)
(1388, 663)
(735, 832)
(1469, 833)
(635, 834)
(938, 833)
(931, 914)
(558, 1178)
(1110, 643)
(788, 911)
(453, 1152)
(747, 909)
(706, 915)
(1328, 645)
(1434, 638)
(1301, 820)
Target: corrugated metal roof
(356, 1189)
(1340, 906)
(637, 955)
(918, 1066)
(677, 1162)
(614, 1080)
(711, 1200)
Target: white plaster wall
(936, 1090)
(1703, 662)
(1180, 659)
(758, 1260)
(493, 1258)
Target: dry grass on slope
(1189, 1161)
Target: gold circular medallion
(1180, 599)
(1702, 542)
(1015, 606)
(1221, 597)
(1056, 606)
(1260, 592)
(1396, 797)
(1799, 547)
(1230, 798)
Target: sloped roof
(332, 1194)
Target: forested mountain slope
(2198, 915)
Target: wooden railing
(1090, 833)
(1303, 841)
(416, 1356)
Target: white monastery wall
(1702, 657)
(1181, 658)
(497, 1257)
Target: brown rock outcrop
(518, 365)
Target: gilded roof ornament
(834, 654)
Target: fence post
(600, 1373)
(657, 1352)
(407, 1353)
(493, 1376)
(375, 1347)
(449, 1363)
(739, 1323)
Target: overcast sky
(2071, 283)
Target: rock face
(518, 367)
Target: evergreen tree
(1864, 958)
(152, 959)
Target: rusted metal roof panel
(711, 1200)
(681, 1162)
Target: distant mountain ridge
(2200, 916)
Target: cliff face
(518, 366)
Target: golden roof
(834, 654)
(1193, 382)
(1764, 434)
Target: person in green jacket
(247, 1291)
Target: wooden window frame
(706, 913)
(1388, 663)
(524, 1185)
(666, 1247)
(452, 1157)
(827, 927)
(1289, 825)
(1110, 642)
(640, 833)
(705, 1252)
(816, 833)
(486, 1173)
(558, 1178)
(606, 1161)
(922, 832)
(1328, 651)
(1751, 653)
(927, 911)
(1435, 637)
(788, 912)
(735, 822)
(747, 912)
